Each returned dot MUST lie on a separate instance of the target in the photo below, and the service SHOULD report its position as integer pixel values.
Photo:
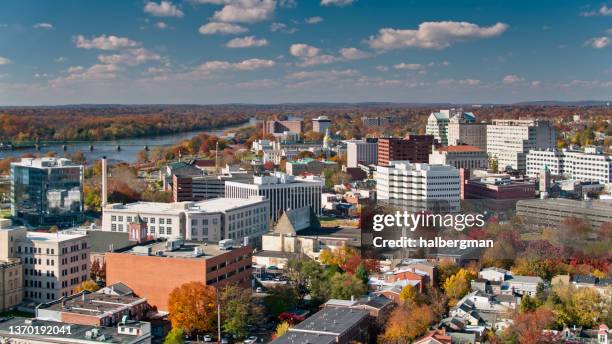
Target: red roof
(459, 149)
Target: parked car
(250, 340)
(208, 338)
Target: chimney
(104, 183)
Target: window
(128, 218)
(113, 218)
(205, 222)
(194, 222)
(152, 220)
(168, 221)
(161, 221)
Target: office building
(509, 141)
(54, 264)
(321, 124)
(466, 157)
(310, 166)
(198, 188)
(282, 190)
(154, 270)
(280, 127)
(419, 184)
(369, 122)
(11, 283)
(210, 220)
(128, 332)
(553, 211)
(47, 191)
(413, 148)
(464, 130)
(363, 152)
(94, 309)
(588, 165)
(499, 188)
(437, 126)
(331, 325)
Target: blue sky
(274, 51)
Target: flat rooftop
(52, 237)
(77, 332)
(93, 304)
(188, 250)
(149, 207)
(225, 204)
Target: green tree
(281, 299)
(238, 310)
(527, 304)
(362, 273)
(345, 286)
(175, 336)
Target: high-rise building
(210, 220)
(414, 148)
(279, 127)
(321, 124)
(361, 152)
(466, 157)
(47, 191)
(11, 283)
(379, 121)
(283, 191)
(198, 188)
(588, 165)
(54, 264)
(424, 186)
(464, 130)
(509, 141)
(437, 125)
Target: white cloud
(353, 53)
(132, 57)
(322, 74)
(251, 64)
(433, 35)
(97, 72)
(246, 11)
(408, 66)
(469, 82)
(603, 11)
(44, 26)
(599, 42)
(303, 50)
(313, 20)
(336, 2)
(221, 28)
(4, 61)
(104, 42)
(512, 79)
(161, 25)
(382, 68)
(246, 42)
(60, 59)
(536, 83)
(163, 9)
(274, 27)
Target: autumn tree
(193, 308)
(175, 336)
(410, 295)
(88, 285)
(527, 328)
(457, 285)
(281, 299)
(345, 286)
(238, 310)
(406, 324)
(281, 329)
(446, 269)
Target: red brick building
(414, 148)
(153, 271)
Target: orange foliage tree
(193, 307)
(407, 323)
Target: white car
(250, 340)
(208, 338)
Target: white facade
(437, 125)
(210, 220)
(590, 165)
(361, 150)
(462, 132)
(467, 157)
(54, 264)
(321, 124)
(404, 181)
(283, 191)
(509, 141)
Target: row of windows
(130, 219)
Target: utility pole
(217, 157)
(218, 316)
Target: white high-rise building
(509, 141)
(588, 165)
(54, 264)
(361, 151)
(437, 125)
(321, 124)
(464, 130)
(210, 220)
(282, 190)
(419, 184)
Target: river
(129, 146)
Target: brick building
(414, 148)
(279, 127)
(153, 271)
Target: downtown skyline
(279, 51)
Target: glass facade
(47, 192)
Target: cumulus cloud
(313, 20)
(318, 74)
(599, 42)
(221, 28)
(274, 27)
(44, 26)
(163, 9)
(408, 66)
(602, 11)
(310, 56)
(246, 42)
(303, 50)
(433, 35)
(250, 64)
(4, 61)
(104, 42)
(97, 72)
(132, 57)
(336, 2)
(161, 25)
(511, 79)
(353, 54)
(246, 11)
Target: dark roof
(584, 279)
(354, 234)
(294, 221)
(378, 302)
(120, 289)
(276, 254)
(604, 282)
(101, 241)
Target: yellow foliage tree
(193, 307)
(88, 285)
(405, 324)
(281, 329)
(457, 285)
(409, 294)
